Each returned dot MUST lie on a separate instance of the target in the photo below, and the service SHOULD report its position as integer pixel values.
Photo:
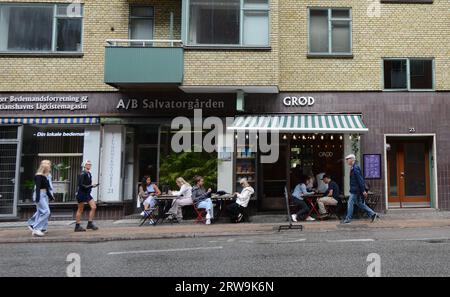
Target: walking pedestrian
(358, 191)
(85, 186)
(39, 221)
(32, 221)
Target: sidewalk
(62, 231)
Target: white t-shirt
(321, 186)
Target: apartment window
(141, 22)
(330, 31)
(229, 22)
(408, 74)
(41, 28)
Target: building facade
(103, 80)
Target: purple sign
(372, 166)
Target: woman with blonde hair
(32, 220)
(184, 198)
(42, 196)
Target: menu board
(372, 166)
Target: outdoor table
(222, 201)
(312, 201)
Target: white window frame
(330, 29)
(241, 28)
(53, 51)
(408, 74)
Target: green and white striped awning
(330, 123)
(50, 121)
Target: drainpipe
(171, 28)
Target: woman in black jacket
(85, 186)
(42, 196)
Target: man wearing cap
(357, 191)
(331, 195)
(85, 186)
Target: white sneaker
(38, 233)
(310, 219)
(294, 218)
(142, 213)
(208, 222)
(30, 228)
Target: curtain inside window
(318, 31)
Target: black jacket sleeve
(83, 181)
(38, 182)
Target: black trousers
(303, 209)
(234, 210)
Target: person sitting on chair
(300, 191)
(201, 199)
(184, 198)
(147, 193)
(331, 196)
(236, 208)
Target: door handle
(402, 175)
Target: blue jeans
(208, 205)
(359, 201)
(39, 220)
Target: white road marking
(285, 241)
(352, 240)
(167, 250)
(420, 239)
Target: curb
(125, 238)
(270, 230)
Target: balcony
(143, 63)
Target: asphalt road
(402, 252)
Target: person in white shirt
(184, 198)
(322, 187)
(242, 199)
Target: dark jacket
(357, 184)
(199, 194)
(42, 183)
(84, 184)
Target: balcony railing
(134, 63)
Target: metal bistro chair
(201, 215)
(373, 199)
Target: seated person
(331, 196)
(322, 187)
(300, 191)
(148, 192)
(184, 197)
(201, 199)
(242, 199)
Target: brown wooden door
(409, 174)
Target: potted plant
(63, 169)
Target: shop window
(229, 22)
(40, 28)
(408, 74)
(63, 146)
(141, 23)
(330, 31)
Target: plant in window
(62, 169)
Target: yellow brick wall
(85, 73)
(401, 30)
(236, 67)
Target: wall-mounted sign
(116, 104)
(372, 166)
(299, 101)
(326, 154)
